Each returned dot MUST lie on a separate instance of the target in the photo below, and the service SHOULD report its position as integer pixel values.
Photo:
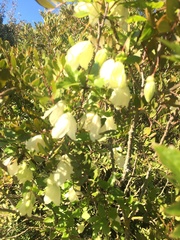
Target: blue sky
(26, 10)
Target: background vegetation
(117, 200)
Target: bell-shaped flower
(33, 143)
(25, 206)
(149, 88)
(113, 74)
(92, 10)
(63, 171)
(118, 10)
(72, 195)
(52, 191)
(118, 157)
(108, 125)
(80, 55)
(55, 112)
(24, 173)
(65, 125)
(12, 166)
(92, 124)
(120, 97)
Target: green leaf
(132, 59)
(173, 46)
(156, 5)
(146, 33)
(136, 18)
(173, 210)
(48, 220)
(176, 233)
(170, 157)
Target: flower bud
(149, 88)
(101, 56)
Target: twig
(129, 147)
(166, 130)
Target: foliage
(78, 123)
(8, 31)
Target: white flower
(113, 74)
(118, 10)
(80, 55)
(32, 143)
(12, 167)
(108, 125)
(120, 97)
(92, 124)
(83, 9)
(118, 157)
(71, 194)
(52, 192)
(25, 206)
(24, 173)
(55, 112)
(65, 169)
(65, 125)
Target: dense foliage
(84, 97)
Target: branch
(166, 130)
(129, 147)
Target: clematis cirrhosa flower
(118, 10)
(52, 191)
(32, 143)
(113, 74)
(12, 167)
(120, 97)
(63, 171)
(66, 124)
(25, 206)
(55, 112)
(118, 157)
(92, 10)
(108, 125)
(92, 124)
(80, 55)
(24, 173)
